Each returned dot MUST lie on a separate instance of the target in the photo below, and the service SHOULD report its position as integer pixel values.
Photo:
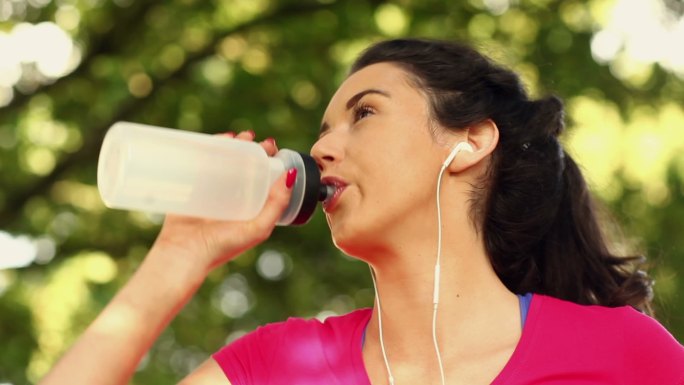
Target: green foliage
(270, 66)
(18, 340)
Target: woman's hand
(209, 243)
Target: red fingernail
(291, 177)
(270, 140)
(251, 133)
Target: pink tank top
(561, 343)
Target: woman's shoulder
(642, 342)
(621, 318)
(292, 347)
(325, 322)
(298, 328)
(625, 317)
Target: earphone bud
(460, 146)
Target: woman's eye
(362, 111)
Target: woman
(517, 220)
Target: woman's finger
(246, 135)
(270, 146)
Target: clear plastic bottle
(164, 170)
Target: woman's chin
(357, 244)
(342, 239)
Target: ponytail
(595, 276)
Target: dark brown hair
(534, 209)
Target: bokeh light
(645, 31)
(273, 265)
(16, 251)
(34, 54)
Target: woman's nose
(327, 151)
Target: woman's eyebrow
(355, 99)
(352, 101)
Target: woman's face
(376, 146)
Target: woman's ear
(482, 138)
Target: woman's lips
(339, 185)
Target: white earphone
(458, 147)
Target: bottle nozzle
(326, 192)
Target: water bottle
(162, 170)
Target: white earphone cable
(382, 342)
(435, 296)
(435, 299)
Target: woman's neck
(474, 304)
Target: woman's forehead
(386, 77)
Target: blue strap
(524, 306)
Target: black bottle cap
(312, 190)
